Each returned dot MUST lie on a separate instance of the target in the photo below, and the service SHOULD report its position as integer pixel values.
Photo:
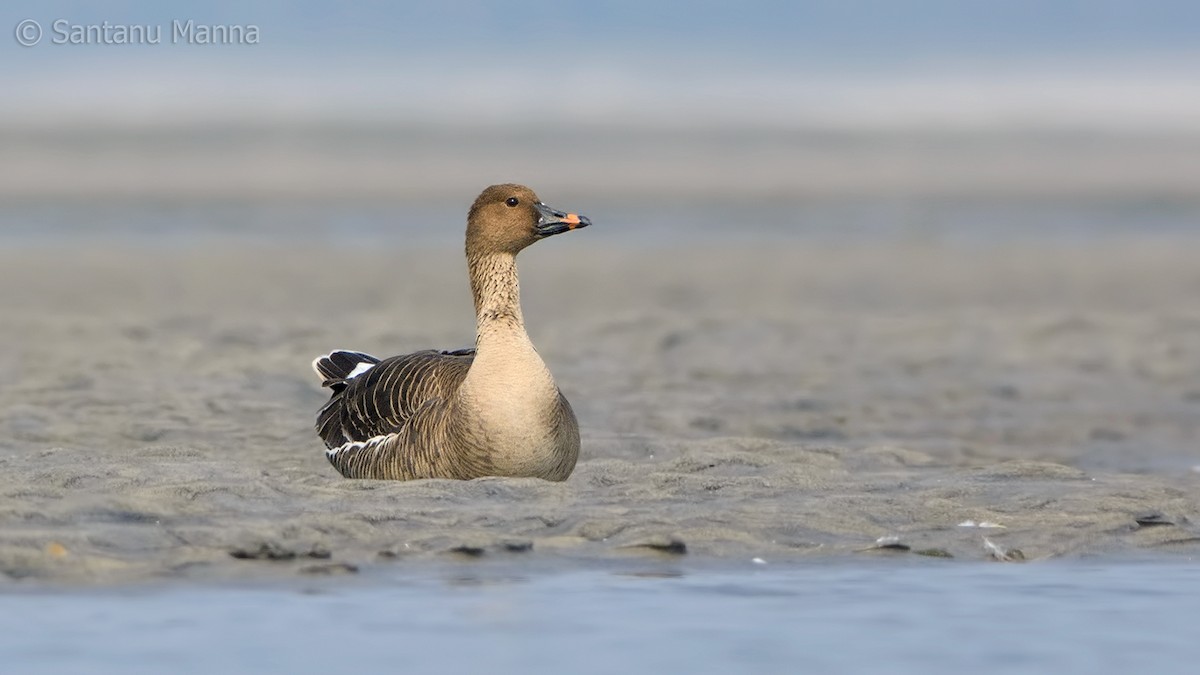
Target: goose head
(506, 218)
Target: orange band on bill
(572, 219)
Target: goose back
(386, 397)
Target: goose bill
(551, 221)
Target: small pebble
(1152, 519)
(889, 542)
(468, 550)
(267, 550)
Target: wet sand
(771, 401)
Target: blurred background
(941, 234)
(379, 121)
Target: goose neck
(496, 291)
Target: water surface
(879, 616)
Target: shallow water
(931, 617)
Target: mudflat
(751, 400)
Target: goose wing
(381, 398)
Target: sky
(1102, 63)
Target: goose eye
(512, 201)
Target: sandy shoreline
(762, 401)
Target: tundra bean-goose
(489, 411)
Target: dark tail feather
(338, 366)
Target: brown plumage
(489, 411)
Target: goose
(493, 410)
